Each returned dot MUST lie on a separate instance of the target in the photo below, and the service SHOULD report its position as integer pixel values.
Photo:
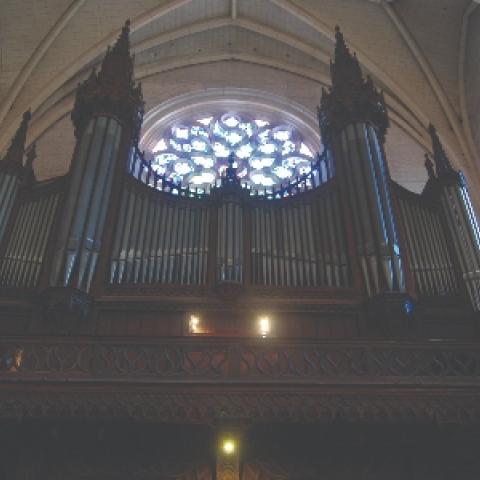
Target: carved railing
(54, 360)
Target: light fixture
(264, 326)
(194, 324)
(228, 446)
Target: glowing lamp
(194, 324)
(264, 326)
(228, 446)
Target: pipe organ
(159, 238)
(114, 221)
(25, 251)
(125, 294)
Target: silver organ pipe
(8, 194)
(24, 254)
(366, 184)
(429, 257)
(465, 233)
(159, 239)
(86, 202)
(300, 242)
(230, 240)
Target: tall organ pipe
(353, 120)
(83, 219)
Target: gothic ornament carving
(112, 91)
(444, 170)
(351, 98)
(12, 163)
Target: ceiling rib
(77, 64)
(37, 55)
(434, 83)
(461, 78)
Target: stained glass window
(267, 154)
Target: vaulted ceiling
(424, 53)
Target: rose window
(266, 154)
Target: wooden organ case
(131, 307)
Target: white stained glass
(288, 147)
(267, 148)
(304, 150)
(165, 158)
(160, 146)
(198, 131)
(230, 120)
(233, 137)
(199, 145)
(221, 150)
(261, 123)
(181, 132)
(205, 121)
(203, 178)
(260, 178)
(261, 162)
(206, 162)
(182, 168)
(283, 172)
(247, 128)
(196, 152)
(244, 151)
(176, 146)
(282, 135)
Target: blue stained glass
(266, 154)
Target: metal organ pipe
(86, 201)
(159, 239)
(299, 243)
(362, 171)
(25, 250)
(465, 233)
(429, 257)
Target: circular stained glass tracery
(266, 154)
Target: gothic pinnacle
(14, 155)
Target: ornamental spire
(429, 167)
(351, 98)
(231, 171)
(13, 159)
(442, 163)
(113, 90)
(31, 155)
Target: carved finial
(14, 157)
(112, 90)
(231, 172)
(352, 98)
(31, 155)
(29, 174)
(429, 166)
(442, 163)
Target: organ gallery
(235, 303)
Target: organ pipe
(84, 214)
